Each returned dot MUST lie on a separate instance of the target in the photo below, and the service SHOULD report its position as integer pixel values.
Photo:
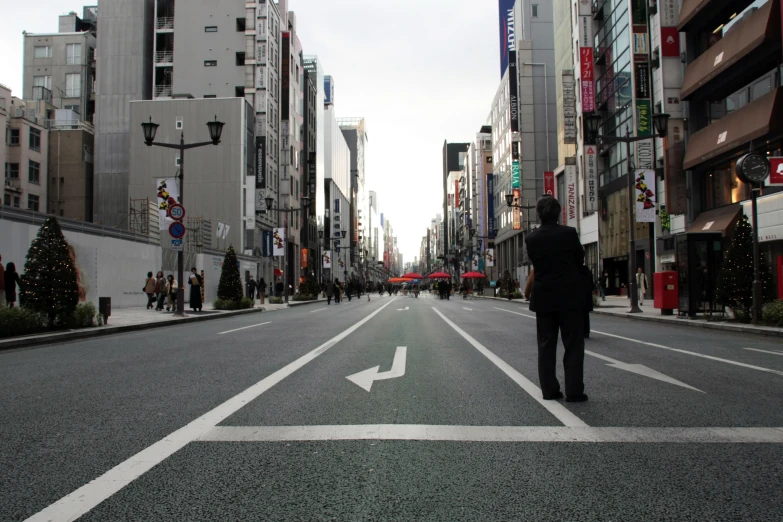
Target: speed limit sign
(176, 212)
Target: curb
(99, 331)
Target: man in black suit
(558, 301)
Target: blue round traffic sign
(177, 230)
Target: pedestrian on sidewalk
(329, 292)
(261, 289)
(338, 290)
(603, 282)
(251, 288)
(171, 291)
(160, 291)
(195, 290)
(10, 282)
(641, 284)
(149, 289)
(587, 283)
(557, 254)
(2, 283)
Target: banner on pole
(645, 196)
(475, 262)
(327, 258)
(278, 242)
(569, 209)
(168, 194)
(490, 257)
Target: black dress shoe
(553, 396)
(577, 398)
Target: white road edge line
(81, 501)
(244, 328)
(765, 351)
(492, 434)
(318, 310)
(695, 354)
(555, 408)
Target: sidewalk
(139, 318)
(618, 307)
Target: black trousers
(570, 324)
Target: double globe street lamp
(592, 125)
(215, 131)
(269, 201)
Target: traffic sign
(176, 212)
(176, 245)
(177, 230)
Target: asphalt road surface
(393, 409)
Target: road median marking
(84, 499)
(427, 432)
(764, 351)
(641, 369)
(555, 408)
(244, 328)
(318, 310)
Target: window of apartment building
(241, 24)
(35, 139)
(534, 10)
(34, 172)
(73, 54)
(210, 29)
(13, 136)
(32, 202)
(210, 96)
(239, 92)
(240, 58)
(43, 51)
(17, 201)
(7, 200)
(11, 171)
(75, 108)
(73, 85)
(210, 63)
(42, 81)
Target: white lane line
(679, 350)
(244, 328)
(81, 501)
(466, 308)
(555, 408)
(641, 369)
(492, 434)
(764, 351)
(314, 311)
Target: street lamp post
(150, 129)
(269, 202)
(336, 241)
(592, 124)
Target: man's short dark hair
(548, 209)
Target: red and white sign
(591, 179)
(549, 184)
(176, 212)
(569, 208)
(586, 67)
(775, 171)
(670, 42)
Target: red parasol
(400, 280)
(473, 275)
(439, 275)
(278, 272)
(412, 275)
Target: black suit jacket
(557, 254)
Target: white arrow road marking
(364, 379)
(403, 309)
(641, 370)
(765, 351)
(244, 328)
(466, 308)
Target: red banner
(775, 171)
(588, 85)
(549, 184)
(670, 42)
(456, 193)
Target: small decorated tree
(230, 286)
(735, 280)
(49, 283)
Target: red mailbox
(667, 291)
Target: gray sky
(418, 71)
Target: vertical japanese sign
(591, 179)
(490, 203)
(261, 162)
(515, 177)
(570, 196)
(586, 68)
(168, 194)
(517, 214)
(549, 183)
(278, 242)
(644, 191)
(506, 31)
(456, 193)
(569, 108)
(327, 258)
(513, 87)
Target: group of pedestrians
(162, 291)
(9, 282)
(333, 290)
(444, 289)
(256, 289)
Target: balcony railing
(164, 57)
(164, 22)
(42, 93)
(162, 91)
